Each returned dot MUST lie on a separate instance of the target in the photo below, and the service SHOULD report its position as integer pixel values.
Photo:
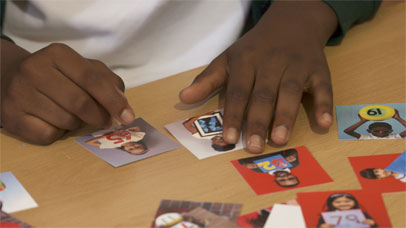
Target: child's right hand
(46, 93)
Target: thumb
(212, 78)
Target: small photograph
(365, 122)
(9, 221)
(283, 215)
(382, 173)
(254, 219)
(202, 135)
(13, 196)
(350, 208)
(127, 144)
(188, 214)
(280, 171)
(258, 219)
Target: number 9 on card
(377, 112)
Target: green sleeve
(348, 13)
(2, 8)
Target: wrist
(314, 18)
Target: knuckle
(237, 96)
(70, 122)
(57, 48)
(26, 68)
(241, 55)
(264, 95)
(116, 103)
(119, 82)
(80, 104)
(257, 126)
(97, 62)
(324, 86)
(276, 53)
(292, 87)
(88, 77)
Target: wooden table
(74, 188)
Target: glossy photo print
(254, 219)
(280, 171)
(382, 173)
(344, 208)
(371, 121)
(202, 135)
(189, 214)
(13, 196)
(127, 144)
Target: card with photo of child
(344, 208)
(383, 173)
(13, 196)
(190, 214)
(202, 135)
(127, 144)
(376, 121)
(283, 170)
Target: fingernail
(280, 133)
(256, 143)
(231, 135)
(127, 116)
(327, 118)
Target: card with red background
(305, 168)
(389, 184)
(254, 219)
(371, 204)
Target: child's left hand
(267, 71)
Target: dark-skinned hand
(266, 72)
(46, 93)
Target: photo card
(13, 196)
(381, 173)
(371, 121)
(258, 219)
(127, 144)
(282, 170)
(202, 135)
(344, 208)
(190, 214)
(254, 219)
(8, 221)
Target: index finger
(96, 80)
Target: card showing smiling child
(202, 135)
(283, 170)
(346, 208)
(127, 144)
(364, 122)
(383, 173)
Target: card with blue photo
(398, 165)
(209, 125)
(371, 121)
